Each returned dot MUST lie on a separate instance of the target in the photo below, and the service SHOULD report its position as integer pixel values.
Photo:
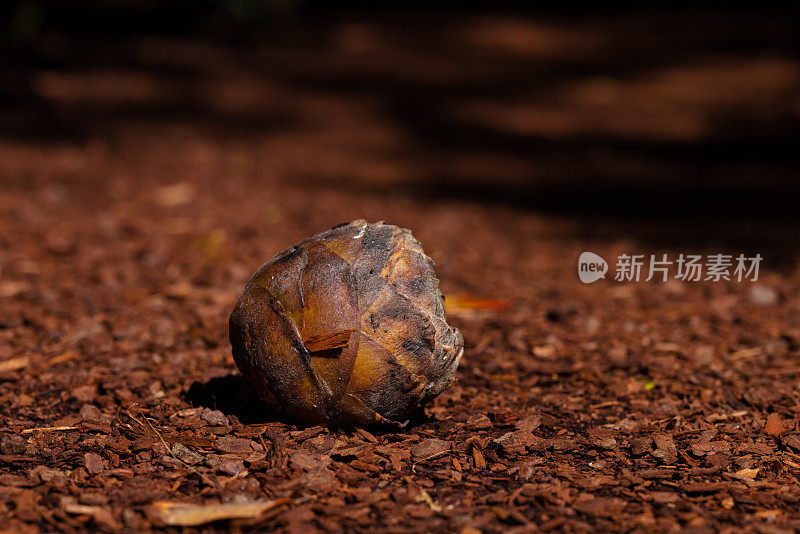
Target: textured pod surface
(347, 327)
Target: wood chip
(477, 456)
(102, 516)
(774, 425)
(14, 364)
(430, 448)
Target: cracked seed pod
(346, 328)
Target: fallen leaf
(49, 429)
(456, 303)
(192, 515)
(425, 497)
(747, 473)
(469, 306)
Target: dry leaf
(425, 497)
(191, 515)
(747, 473)
(467, 305)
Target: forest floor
(142, 184)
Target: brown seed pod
(346, 328)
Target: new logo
(591, 267)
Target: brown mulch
(139, 203)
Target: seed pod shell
(347, 327)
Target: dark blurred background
(677, 123)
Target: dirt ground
(144, 181)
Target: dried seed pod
(347, 328)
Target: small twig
(128, 411)
(269, 454)
(189, 467)
(49, 429)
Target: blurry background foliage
(245, 20)
(26, 19)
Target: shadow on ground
(229, 395)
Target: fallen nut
(347, 328)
